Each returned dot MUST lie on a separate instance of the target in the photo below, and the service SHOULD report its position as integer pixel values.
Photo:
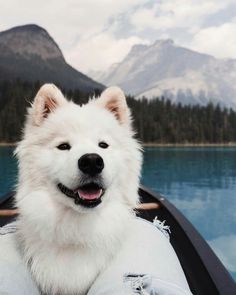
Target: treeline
(15, 97)
(160, 121)
(157, 120)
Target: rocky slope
(178, 73)
(29, 53)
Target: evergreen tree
(156, 120)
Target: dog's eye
(64, 146)
(103, 145)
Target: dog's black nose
(91, 164)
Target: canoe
(204, 271)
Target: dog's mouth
(88, 195)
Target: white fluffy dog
(79, 169)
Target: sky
(94, 34)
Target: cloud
(217, 40)
(94, 34)
(65, 20)
(224, 247)
(172, 14)
(99, 52)
(85, 29)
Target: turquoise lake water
(201, 182)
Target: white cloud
(99, 52)
(174, 14)
(65, 20)
(86, 30)
(224, 247)
(81, 28)
(219, 41)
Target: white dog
(79, 169)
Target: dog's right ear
(48, 98)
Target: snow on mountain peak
(178, 73)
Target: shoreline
(153, 144)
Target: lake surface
(201, 182)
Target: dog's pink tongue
(90, 195)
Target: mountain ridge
(28, 52)
(15, 39)
(178, 73)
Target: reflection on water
(201, 182)
(225, 247)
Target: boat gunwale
(217, 272)
(217, 277)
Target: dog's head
(82, 155)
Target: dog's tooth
(80, 196)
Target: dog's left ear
(48, 98)
(113, 99)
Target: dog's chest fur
(66, 270)
(69, 261)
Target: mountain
(177, 73)
(28, 52)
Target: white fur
(66, 245)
